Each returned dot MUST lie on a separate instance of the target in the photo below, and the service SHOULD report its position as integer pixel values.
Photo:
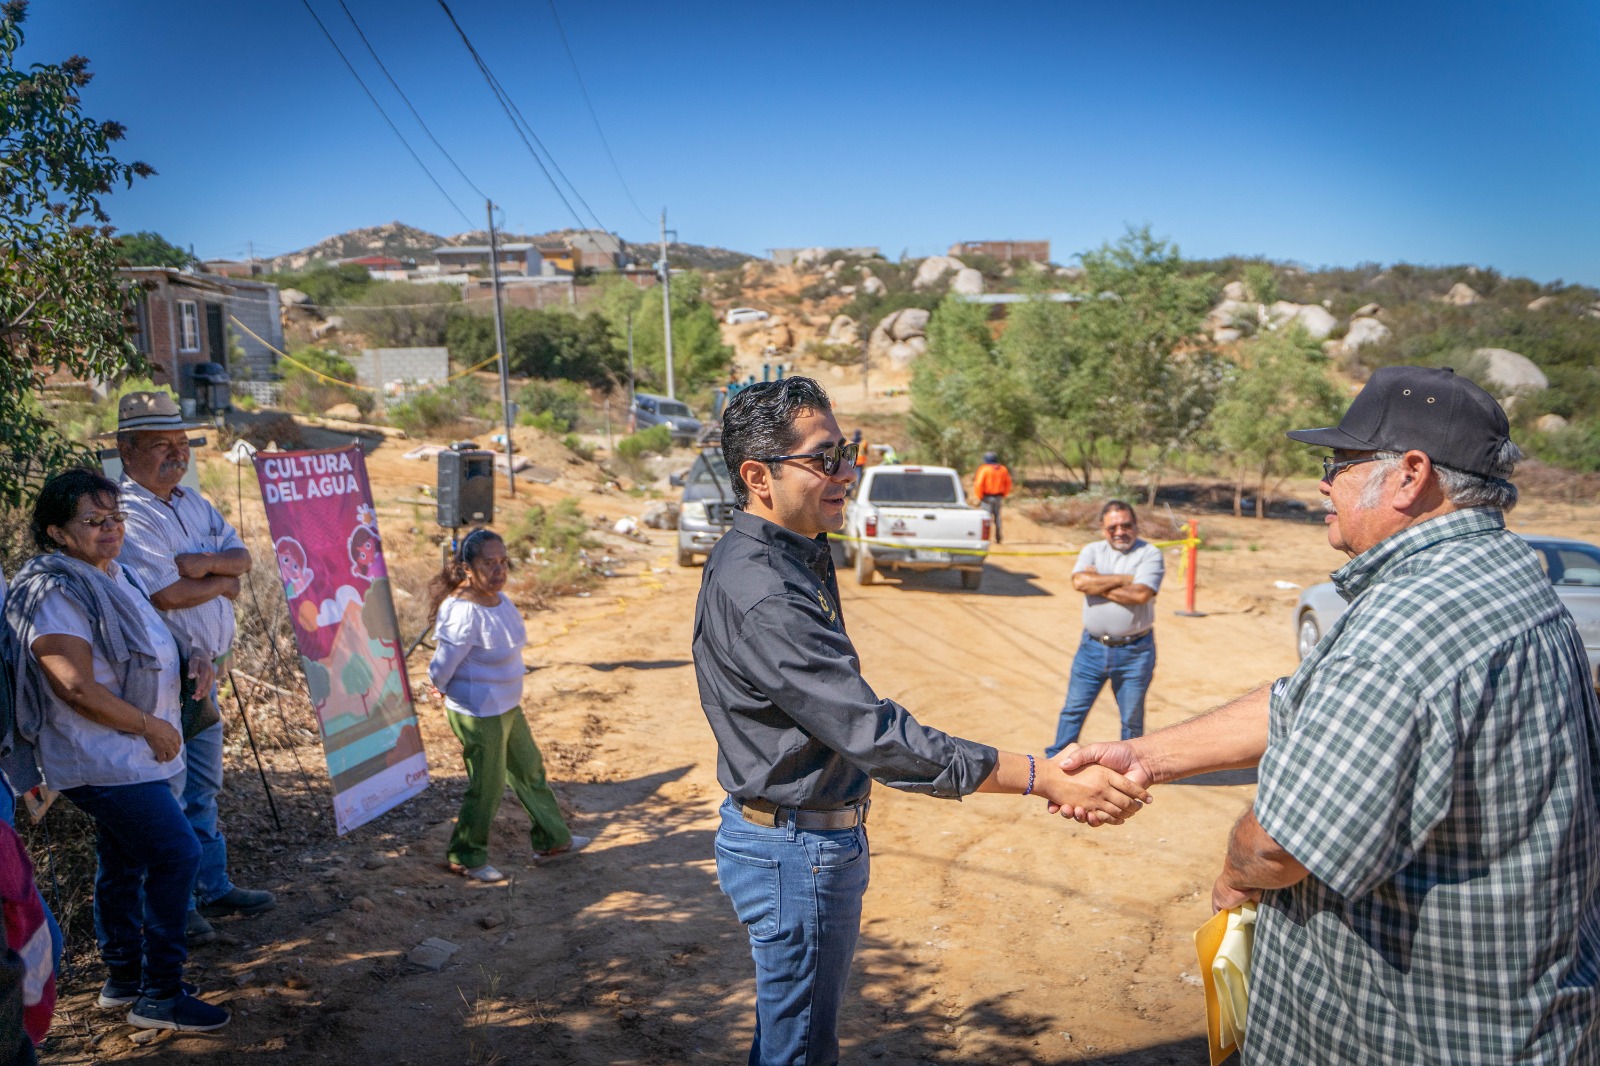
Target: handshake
(1101, 784)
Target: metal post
(500, 349)
(666, 303)
(631, 386)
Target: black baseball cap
(1430, 409)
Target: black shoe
(115, 994)
(240, 901)
(181, 1012)
(196, 930)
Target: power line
(520, 124)
(584, 89)
(396, 85)
(384, 113)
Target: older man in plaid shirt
(1425, 842)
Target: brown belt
(760, 812)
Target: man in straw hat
(191, 560)
(1425, 841)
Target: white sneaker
(485, 873)
(578, 844)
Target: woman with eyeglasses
(478, 670)
(97, 697)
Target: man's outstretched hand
(1119, 756)
(1094, 794)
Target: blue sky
(1427, 132)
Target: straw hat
(141, 411)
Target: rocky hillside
(408, 242)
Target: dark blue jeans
(798, 893)
(147, 856)
(1129, 669)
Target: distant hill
(408, 242)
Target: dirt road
(993, 932)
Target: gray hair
(1459, 487)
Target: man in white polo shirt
(1119, 578)
(191, 559)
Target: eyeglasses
(1330, 469)
(97, 521)
(832, 458)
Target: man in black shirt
(801, 736)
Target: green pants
(498, 750)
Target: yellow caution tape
(880, 542)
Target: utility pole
(666, 303)
(630, 361)
(500, 346)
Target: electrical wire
(584, 89)
(407, 100)
(519, 123)
(385, 114)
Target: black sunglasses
(1331, 467)
(832, 458)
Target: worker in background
(990, 486)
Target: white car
(1573, 567)
(737, 315)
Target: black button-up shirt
(781, 685)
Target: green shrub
(553, 406)
(577, 446)
(657, 440)
(1576, 447)
(433, 409)
(555, 537)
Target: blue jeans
(197, 789)
(146, 857)
(1129, 669)
(798, 893)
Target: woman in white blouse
(478, 669)
(98, 698)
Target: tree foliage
(61, 306)
(1282, 383)
(967, 397)
(699, 358)
(147, 248)
(397, 314)
(1141, 368)
(541, 344)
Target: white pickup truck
(915, 518)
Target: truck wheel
(864, 567)
(685, 557)
(971, 579)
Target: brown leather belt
(772, 816)
(1117, 642)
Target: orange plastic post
(1191, 561)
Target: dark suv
(706, 510)
(651, 410)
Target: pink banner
(330, 557)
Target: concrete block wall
(377, 367)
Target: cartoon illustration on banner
(330, 557)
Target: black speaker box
(466, 488)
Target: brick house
(184, 319)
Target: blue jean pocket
(751, 884)
(837, 855)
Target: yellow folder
(1223, 945)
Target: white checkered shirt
(157, 533)
(1434, 764)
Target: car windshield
(1569, 564)
(912, 488)
(677, 410)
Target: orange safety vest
(992, 479)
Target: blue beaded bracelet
(1029, 790)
